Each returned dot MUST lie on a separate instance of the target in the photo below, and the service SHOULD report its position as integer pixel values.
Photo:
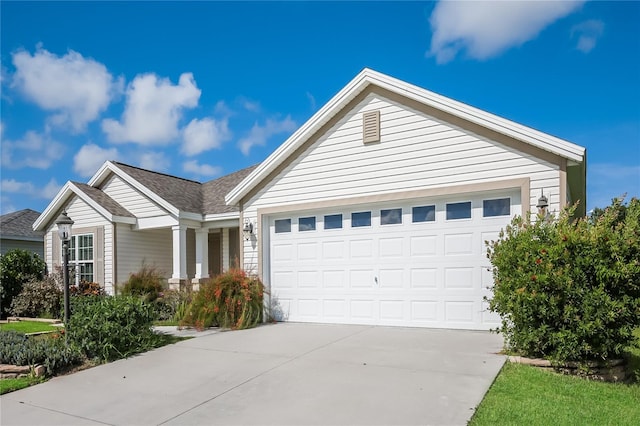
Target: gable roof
(184, 194)
(367, 78)
(215, 190)
(18, 225)
(103, 199)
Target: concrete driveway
(285, 374)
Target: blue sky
(201, 89)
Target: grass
(10, 385)
(28, 326)
(525, 395)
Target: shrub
(569, 290)
(87, 289)
(53, 354)
(171, 305)
(146, 283)
(39, 299)
(16, 268)
(110, 328)
(231, 300)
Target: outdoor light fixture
(65, 223)
(543, 203)
(247, 231)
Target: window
(390, 216)
(497, 207)
(283, 225)
(81, 255)
(307, 224)
(360, 219)
(333, 221)
(423, 214)
(459, 210)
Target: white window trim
(76, 263)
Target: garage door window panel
(283, 226)
(333, 221)
(423, 214)
(390, 216)
(360, 219)
(457, 211)
(496, 207)
(307, 224)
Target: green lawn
(28, 326)
(525, 395)
(10, 385)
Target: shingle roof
(104, 200)
(215, 190)
(184, 194)
(19, 224)
(188, 195)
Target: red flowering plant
(569, 289)
(231, 300)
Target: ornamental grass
(231, 300)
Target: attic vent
(371, 126)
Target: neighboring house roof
(368, 78)
(215, 190)
(104, 200)
(18, 225)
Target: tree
(16, 268)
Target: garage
(412, 263)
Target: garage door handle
(376, 280)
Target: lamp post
(64, 231)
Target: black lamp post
(64, 231)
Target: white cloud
(588, 34)
(250, 105)
(260, 134)
(13, 186)
(487, 28)
(35, 150)
(205, 134)
(312, 101)
(155, 161)
(91, 157)
(77, 89)
(153, 110)
(192, 166)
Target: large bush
(16, 268)
(52, 353)
(231, 300)
(39, 299)
(110, 328)
(569, 289)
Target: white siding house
(377, 209)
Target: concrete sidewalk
(285, 374)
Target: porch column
(179, 276)
(202, 257)
(225, 249)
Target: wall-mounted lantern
(543, 204)
(247, 231)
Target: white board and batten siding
(85, 217)
(416, 152)
(131, 199)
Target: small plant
(53, 354)
(87, 289)
(171, 305)
(16, 268)
(39, 299)
(110, 328)
(231, 300)
(569, 290)
(145, 283)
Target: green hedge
(569, 289)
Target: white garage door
(420, 263)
